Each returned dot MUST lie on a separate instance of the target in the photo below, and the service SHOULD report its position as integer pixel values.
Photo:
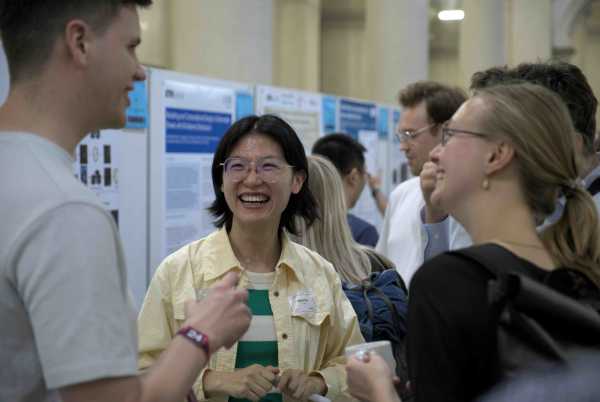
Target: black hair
(29, 28)
(564, 79)
(302, 204)
(343, 151)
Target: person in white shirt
(426, 105)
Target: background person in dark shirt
(347, 155)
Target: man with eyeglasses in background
(426, 105)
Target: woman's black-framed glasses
(448, 133)
(269, 169)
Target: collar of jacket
(222, 259)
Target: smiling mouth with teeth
(254, 198)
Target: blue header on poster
(244, 104)
(137, 112)
(356, 116)
(329, 111)
(383, 122)
(191, 131)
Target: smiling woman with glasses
(269, 169)
(302, 321)
(508, 154)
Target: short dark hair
(564, 79)
(29, 28)
(342, 150)
(302, 204)
(441, 101)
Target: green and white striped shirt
(259, 343)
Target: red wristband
(196, 337)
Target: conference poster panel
(190, 116)
(359, 119)
(300, 109)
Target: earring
(485, 184)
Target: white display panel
(188, 117)
(113, 164)
(133, 208)
(301, 109)
(359, 119)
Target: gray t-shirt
(65, 313)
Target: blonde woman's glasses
(448, 133)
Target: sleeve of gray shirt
(436, 237)
(442, 236)
(71, 277)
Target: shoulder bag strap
(494, 258)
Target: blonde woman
(506, 156)
(330, 235)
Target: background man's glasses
(411, 135)
(268, 169)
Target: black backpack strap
(594, 187)
(494, 258)
(377, 264)
(365, 290)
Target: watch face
(196, 336)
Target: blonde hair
(537, 124)
(330, 235)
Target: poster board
(188, 116)
(301, 109)
(359, 119)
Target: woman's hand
(370, 379)
(299, 385)
(252, 382)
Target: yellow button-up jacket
(313, 341)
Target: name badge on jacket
(303, 303)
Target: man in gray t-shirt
(67, 329)
(63, 276)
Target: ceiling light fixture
(451, 15)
